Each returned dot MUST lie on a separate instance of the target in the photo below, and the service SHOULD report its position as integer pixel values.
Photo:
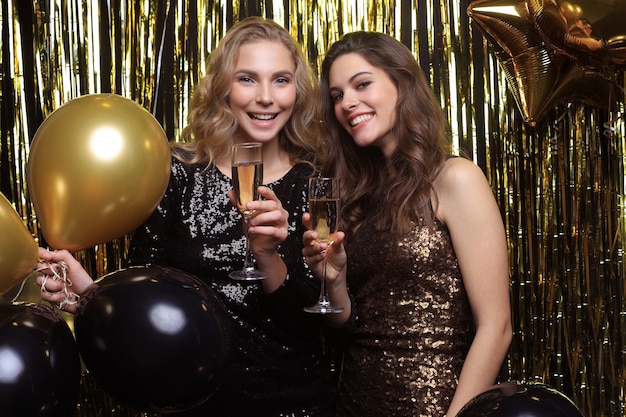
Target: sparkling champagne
(324, 217)
(324, 211)
(247, 177)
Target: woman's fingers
(49, 285)
(54, 281)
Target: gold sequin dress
(411, 328)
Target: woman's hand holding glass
(268, 228)
(324, 205)
(315, 253)
(269, 224)
(328, 263)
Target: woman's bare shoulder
(460, 183)
(458, 172)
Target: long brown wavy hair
(390, 198)
(212, 124)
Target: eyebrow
(351, 79)
(275, 74)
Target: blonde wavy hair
(212, 124)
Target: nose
(349, 102)
(265, 95)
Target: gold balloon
(18, 250)
(528, 39)
(570, 11)
(531, 77)
(98, 167)
(506, 26)
(522, 54)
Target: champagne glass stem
(248, 272)
(323, 287)
(323, 305)
(247, 263)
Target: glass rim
(247, 144)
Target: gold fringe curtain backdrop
(565, 230)
(560, 184)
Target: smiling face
(263, 90)
(365, 100)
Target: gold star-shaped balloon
(544, 64)
(526, 62)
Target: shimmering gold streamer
(560, 185)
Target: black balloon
(513, 399)
(156, 339)
(39, 363)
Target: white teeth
(360, 119)
(262, 116)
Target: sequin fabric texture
(412, 324)
(277, 367)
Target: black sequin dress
(277, 367)
(412, 326)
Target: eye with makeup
(336, 97)
(283, 80)
(363, 84)
(245, 79)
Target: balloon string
(20, 291)
(160, 60)
(59, 273)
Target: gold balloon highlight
(570, 11)
(97, 169)
(18, 250)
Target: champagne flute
(324, 210)
(247, 165)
